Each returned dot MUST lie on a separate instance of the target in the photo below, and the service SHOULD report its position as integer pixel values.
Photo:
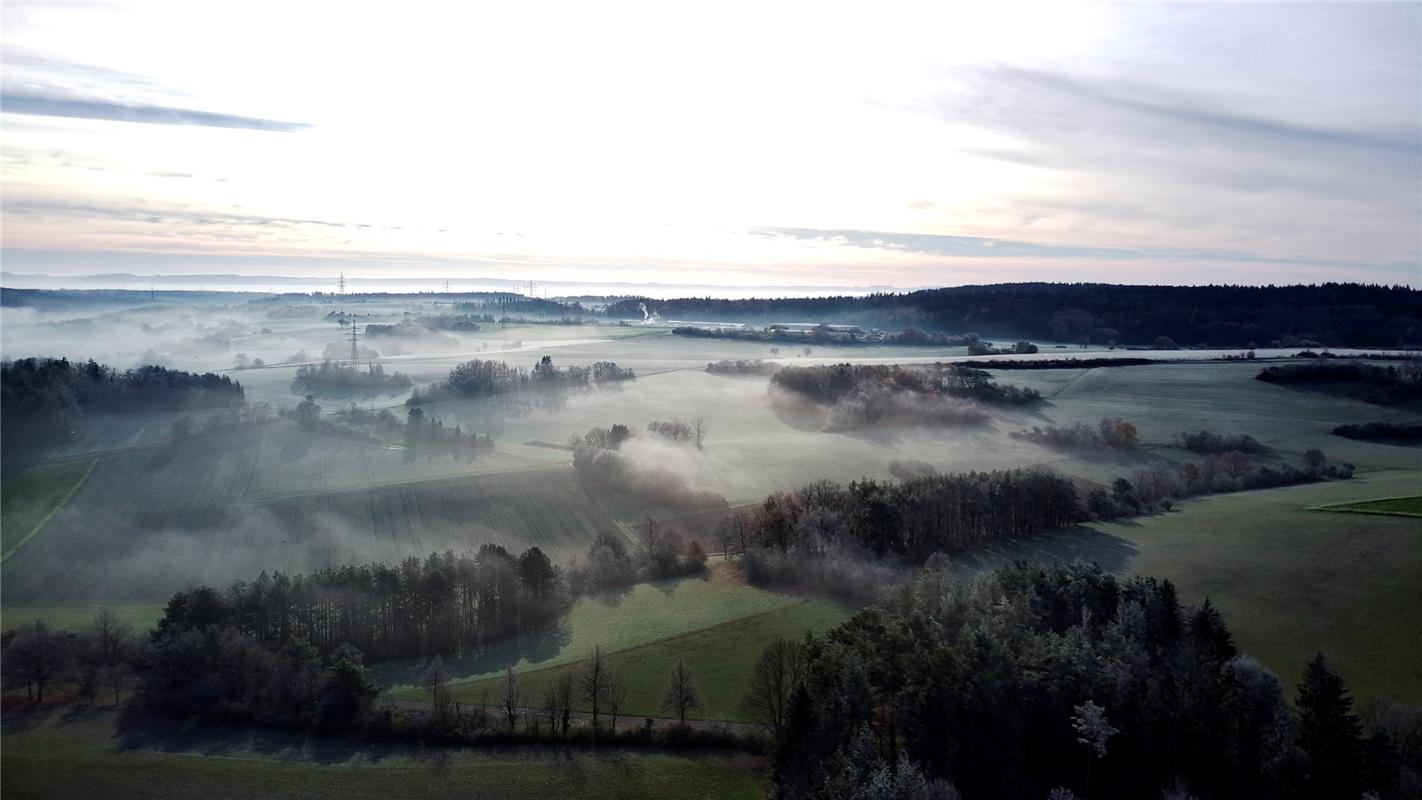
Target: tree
(1314, 459)
(509, 697)
(593, 680)
(1164, 343)
(680, 695)
(435, 682)
(1235, 464)
(563, 689)
(110, 636)
(308, 412)
(1092, 732)
(347, 691)
(115, 677)
(38, 656)
(1330, 733)
(616, 699)
(725, 537)
(698, 429)
(773, 681)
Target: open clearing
(721, 658)
(69, 752)
(30, 497)
(1396, 506)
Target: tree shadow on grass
(139, 729)
(1081, 543)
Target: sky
(727, 144)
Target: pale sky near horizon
(785, 144)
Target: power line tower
(355, 350)
(341, 283)
(446, 285)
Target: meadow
(721, 658)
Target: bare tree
(1235, 464)
(551, 707)
(698, 429)
(773, 681)
(563, 688)
(510, 697)
(38, 656)
(680, 694)
(616, 699)
(725, 537)
(592, 681)
(435, 682)
(110, 634)
(115, 677)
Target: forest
(1332, 314)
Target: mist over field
(957, 401)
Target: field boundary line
(69, 495)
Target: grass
(29, 498)
(1396, 506)
(1292, 582)
(616, 621)
(720, 657)
(78, 618)
(73, 753)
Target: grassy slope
(1398, 506)
(75, 754)
(720, 657)
(1293, 581)
(30, 497)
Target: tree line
(910, 519)
(479, 378)
(442, 604)
(57, 386)
(1335, 314)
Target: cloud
(985, 248)
(51, 105)
(161, 216)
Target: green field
(616, 621)
(75, 753)
(1292, 582)
(1396, 506)
(78, 618)
(29, 498)
(721, 658)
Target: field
(30, 498)
(71, 752)
(1396, 506)
(721, 658)
(156, 514)
(1291, 581)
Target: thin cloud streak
(42, 105)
